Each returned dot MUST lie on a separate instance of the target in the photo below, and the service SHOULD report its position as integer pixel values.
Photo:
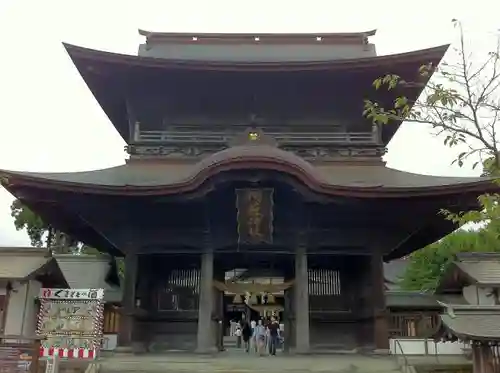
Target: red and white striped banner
(68, 353)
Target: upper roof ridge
(264, 37)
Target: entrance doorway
(253, 289)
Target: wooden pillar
(218, 306)
(483, 359)
(476, 358)
(128, 301)
(381, 328)
(288, 312)
(205, 339)
(301, 300)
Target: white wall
(418, 347)
(21, 310)
(109, 342)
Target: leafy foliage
(41, 233)
(462, 103)
(428, 264)
(24, 218)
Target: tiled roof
(473, 322)
(19, 263)
(469, 269)
(415, 299)
(138, 174)
(482, 268)
(88, 271)
(394, 269)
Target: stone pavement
(240, 362)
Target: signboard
(255, 215)
(71, 321)
(68, 294)
(15, 359)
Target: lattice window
(325, 290)
(181, 292)
(324, 282)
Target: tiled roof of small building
(472, 323)
(471, 269)
(394, 270)
(482, 268)
(20, 262)
(89, 271)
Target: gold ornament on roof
(253, 136)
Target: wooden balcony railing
(303, 138)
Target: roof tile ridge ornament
(449, 309)
(253, 137)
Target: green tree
(461, 102)
(24, 218)
(42, 234)
(428, 264)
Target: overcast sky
(50, 121)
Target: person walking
(274, 333)
(246, 333)
(260, 338)
(238, 333)
(253, 342)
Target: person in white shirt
(238, 333)
(253, 342)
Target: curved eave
(65, 221)
(194, 180)
(82, 56)
(479, 324)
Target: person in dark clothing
(274, 333)
(246, 333)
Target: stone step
(238, 361)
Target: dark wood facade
(289, 139)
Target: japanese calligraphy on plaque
(71, 318)
(255, 215)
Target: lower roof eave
(11, 180)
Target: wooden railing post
(35, 359)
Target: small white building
(472, 281)
(23, 271)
